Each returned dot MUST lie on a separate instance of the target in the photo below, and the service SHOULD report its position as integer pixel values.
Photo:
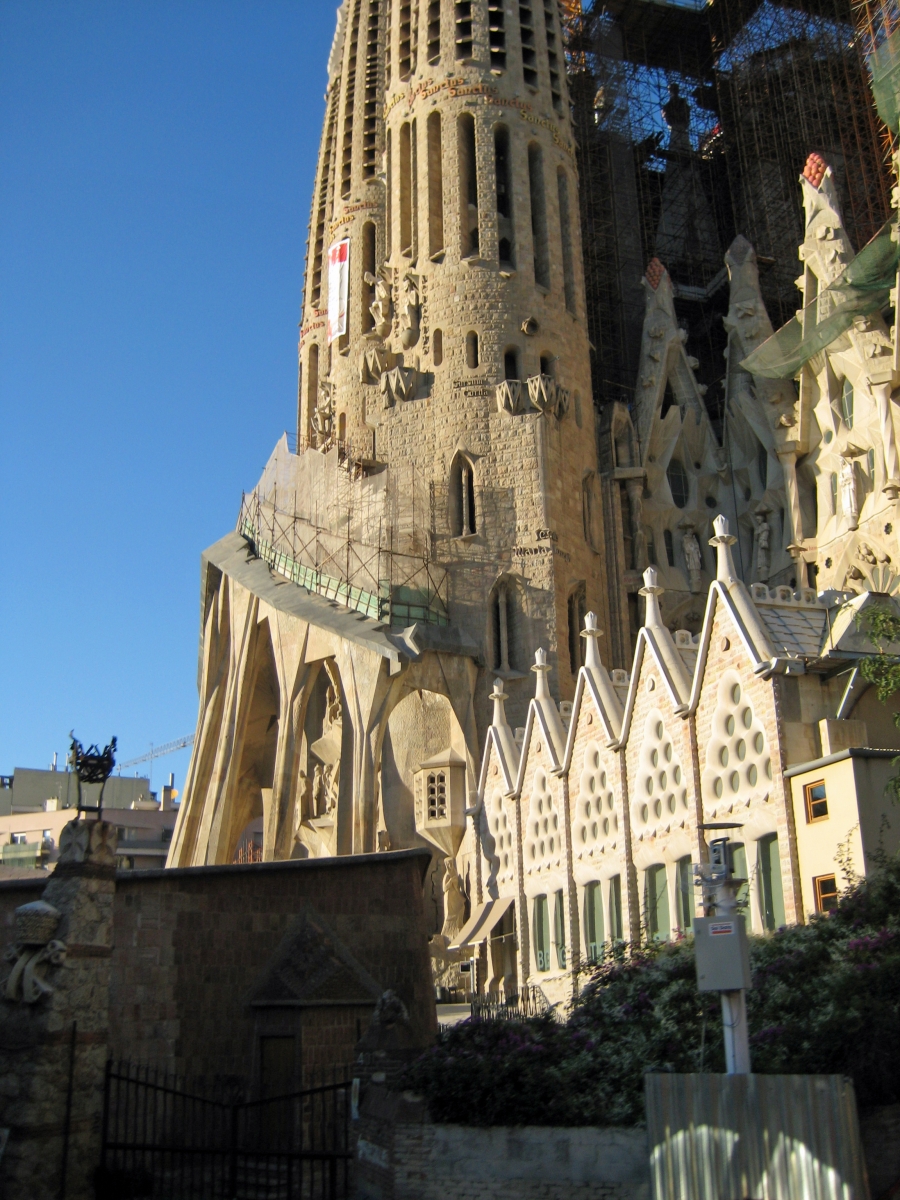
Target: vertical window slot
(468, 186)
(434, 32)
(349, 105)
(406, 198)
(565, 228)
(503, 181)
(464, 37)
(529, 56)
(538, 216)
(497, 34)
(552, 54)
(368, 269)
(370, 109)
(435, 186)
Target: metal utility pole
(720, 941)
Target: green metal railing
(392, 605)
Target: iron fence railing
(161, 1139)
(528, 1002)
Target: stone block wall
(401, 1155)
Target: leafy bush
(825, 999)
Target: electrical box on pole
(720, 947)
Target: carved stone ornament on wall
(32, 954)
(380, 308)
(409, 311)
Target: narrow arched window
(437, 347)
(389, 199)
(503, 626)
(468, 186)
(435, 186)
(349, 106)
(679, 485)
(670, 547)
(511, 363)
(577, 609)
(472, 359)
(847, 403)
(312, 386)
(406, 187)
(762, 465)
(503, 182)
(342, 427)
(462, 497)
(368, 270)
(565, 229)
(538, 216)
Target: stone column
(54, 1007)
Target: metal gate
(161, 1140)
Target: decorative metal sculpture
(91, 766)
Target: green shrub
(826, 999)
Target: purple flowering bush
(825, 999)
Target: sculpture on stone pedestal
(849, 500)
(692, 557)
(380, 308)
(409, 311)
(763, 537)
(323, 416)
(454, 901)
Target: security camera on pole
(720, 943)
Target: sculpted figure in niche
(380, 308)
(635, 491)
(763, 538)
(849, 500)
(454, 901)
(694, 562)
(409, 311)
(323, 417)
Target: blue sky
(156, 167)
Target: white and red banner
(338, 288)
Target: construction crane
(159, 751)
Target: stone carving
(849, 500)
(530, 326)
(81, 841)
(635, 491)
(509, 396)
(373, 362)
(409, 311)
(399, 383)
(323, 416)
(763, 538)
(692, 557)
(454, 901)
(380, 308)
(545, 395)
(327, 751)
(34, 951)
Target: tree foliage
(882, 627)
(825, 999)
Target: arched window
(546, 365)
(576, 406)
(847, 403)
(312, 386)
(762, 465)
(538, 216)
(506, 631)
(670, 547)
(368, 268)
(462, 497)
(472, 349)
(468, 186)
(589, 515)
(503, 179)
(593, 922)
(511, 363)
(389, 198)
(342, 427)
(435, 186)
(541, 933)
(577, 607)
(559, 929)
(656, 903)
(406, 190)
(679, 484)
(437, 347)
(565, 228)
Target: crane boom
(159, 751)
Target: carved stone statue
(323, 417)
(635, 491)
(319, 790)
(692, 558)
(763, 538)
(849, 500)
(380, 308)
(454, 901)
(409, 311)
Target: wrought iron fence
(160, 1139)
(529, 1002)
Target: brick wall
(191, 947)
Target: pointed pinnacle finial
(591, 633)
(651, 591)
(541, 668)
(723, 541)
(499, 698)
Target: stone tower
(443, 497)
(446, 177)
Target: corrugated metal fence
(754, 1137)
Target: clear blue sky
(156, 166)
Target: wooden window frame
(821, 895)
(808, 802)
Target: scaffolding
(693, 123)
(359, 538)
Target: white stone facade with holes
(702, 742)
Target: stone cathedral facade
(465, 610)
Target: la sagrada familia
(469, 609)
